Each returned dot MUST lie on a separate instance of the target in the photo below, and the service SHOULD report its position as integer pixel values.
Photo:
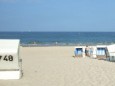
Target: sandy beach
(55, 66)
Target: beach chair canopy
(111, 48)
(9, 46)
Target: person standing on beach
(87, 51)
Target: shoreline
(53, 45)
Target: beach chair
(78, 52)
(10, 62)
(111, 52)
(101, 52)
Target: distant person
(87, 51)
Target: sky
(57, 15)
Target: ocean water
(61, 38)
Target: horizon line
(57, 31)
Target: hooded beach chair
(78, 52)
(111, 52)
(101, 52)
(10, 61)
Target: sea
(60, 38)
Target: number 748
(7, 58)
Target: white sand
(55, 66)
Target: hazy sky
(57, 15)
